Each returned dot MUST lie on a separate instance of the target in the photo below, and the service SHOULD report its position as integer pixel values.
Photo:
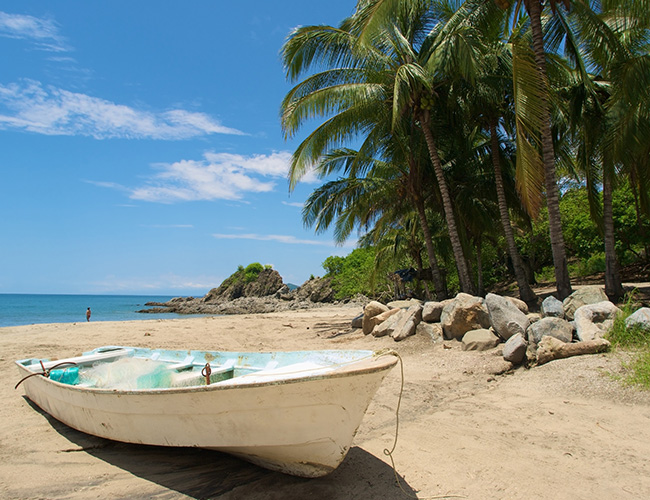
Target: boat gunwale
(348, 369)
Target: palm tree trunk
(479, 267)
(525, 292)
(438, 282)
(466, 284)
(562, 279)
(613, 286)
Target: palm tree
(534, 9)
(397, 69)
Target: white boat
(294, 412)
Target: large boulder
(593, 321)
(582, 297)
(408, 322)
(463, 314)
(267, 282)
(479, 340)
(507, 320)
(550, 327)
(639, 319)
(552, 307)
(372, 309)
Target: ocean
(27, 309)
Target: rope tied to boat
(45, 373)
(206, 372)
(389, 453)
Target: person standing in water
(88, 314)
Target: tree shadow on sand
(206, 474)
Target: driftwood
(551, 348)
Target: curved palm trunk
(525, 292)
(438, 281)
(563, 282)
(466, 284)
(613, 286)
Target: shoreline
(464, 429)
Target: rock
(550, 327)
(551, 348)
(431, 311)
(507, 320)
(463, 314)
(404, 304)
(267, 282)
(408, 323)
(593, 321)
(388, 326)
(639, 319)
(380, 318)
(432, 330)
(581, 297)
(519, 304)
(552, 307)
(372, 309)
(357, 322)
(515, 348)
(479, 340)
(533, 317)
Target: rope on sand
(389, 453)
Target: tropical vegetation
(478, 140)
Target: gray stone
(581, 297)
(593, 321)
(552, 307)
(357, 322)
(552, 327)
(479, 340)
(507, 320)
(463, 314)
(431, 311)
(639, 319)
(515, 348)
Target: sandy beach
(565, 430)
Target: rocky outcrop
(266, 293)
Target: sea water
(27, 309)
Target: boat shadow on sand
(205, 474)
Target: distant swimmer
(88, 314)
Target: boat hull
(301, 426)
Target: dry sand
(566, 430)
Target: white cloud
(43, 32)
(293, 204)
(217, 177)
(29, 106)
(280, 238)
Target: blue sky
(140, 146)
